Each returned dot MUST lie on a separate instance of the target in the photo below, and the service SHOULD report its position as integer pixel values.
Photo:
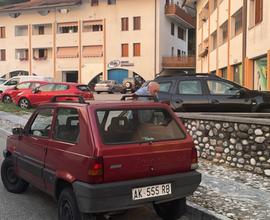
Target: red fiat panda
(102, 157)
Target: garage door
(117, 75)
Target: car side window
(165, 86)
(23, 86)
(221, 88)
(46, 88)
(41, 126)
(60, 87)
(190, 87)
(34, 85)
(67, 126)
(12, 82)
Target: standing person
(151, 89)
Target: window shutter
(258, 11)
(124, 50)
(136, 49)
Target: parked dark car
(104, 157)
(131, 84)
(210, 93)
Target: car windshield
(137, 126)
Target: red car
(45, 93)
(10, 94)
(104, 157)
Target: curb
(196, 212)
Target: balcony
(185, 62)
(175, 12)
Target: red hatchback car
(104, 157)
(45, 93)
(10, 94)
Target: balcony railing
(176, 12)
(185, 62)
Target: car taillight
(194, 159)
(96, 170)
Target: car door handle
(214, 101)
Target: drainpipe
(244, 41)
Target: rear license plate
(151, 191)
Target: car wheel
(7, 99)
(11, 181)
(171, 210)
(68, 208)
(24, 103)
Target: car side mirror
(36, 90)
(18, 131)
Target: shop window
(224, 73)
(260, 74)
(124, 23)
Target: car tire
(24, 103)
(68, 208)
(11, 181)
(171, 210)
(7, 99)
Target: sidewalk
(232, 193)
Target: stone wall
(236, 141)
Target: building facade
(74, 40)
(233, 41)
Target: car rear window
(137, 126)
(83, 88)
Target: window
(42, 29)
(124, 50)
(221, 88)
(165, 86)
(92, 26)
(172, 51)
(172, 29)
(12, 82)
(92, 51)
(2, 55)
(136, 49)
(67, 128)
(214, 41)
(179, 53)
(23, 85)
(181, 33)
(21, 54)
(111, 2)
(42, 124)
(94, 2)
(238, 74)
(67, 27)
(60, 87)
(190, 87)
(137, 125)
(224, 73)
(124, 22)
(136, 23)
(224, 33)
(213, 5)
(21, 30)
(40, 54)
(237, 23)
(255, 12)
(2, 32)
(46, 88)
(34, 85)
(67, 52)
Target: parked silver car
(109, 86)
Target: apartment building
(233, 40)
(87, 40)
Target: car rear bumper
(118, 196)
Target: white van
(18, 79)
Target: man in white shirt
(151, 89)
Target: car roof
(33, 81)
(186, 76)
